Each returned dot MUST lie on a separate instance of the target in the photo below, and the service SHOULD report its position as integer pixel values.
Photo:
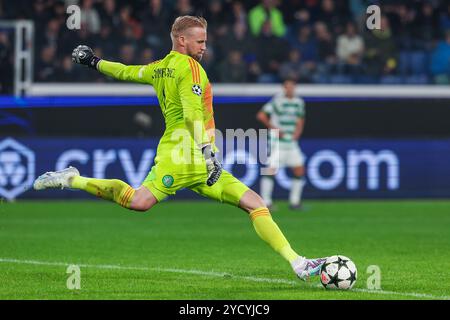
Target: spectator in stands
(155, 19)
(331, 16)
(147, 56)
(182, 8)
(350, 50)
(289, 8)
(41, 14)
(306, 12)
(65, 71)
(402, 20)
(90, 17)
(132, 30)
(233, 69)
(60, 13)
(440, 61)
(210, 65)
(105, 40)
(51, 35)
(266, 11)
(2, 11)
(237, 36)
(110, 15)
(427, 25)
(237, 15)
(274, 52)
(237, 39)
(6, 64)
(326, 46)
(305, 43)
(46, 65)
(445, 17)
(381, 53)
(302, 18)
(217, 24)
(295, 69)
(127, 54)
(358, 9)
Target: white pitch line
(214, 274)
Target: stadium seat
(321, 79)
(365, 79)
(391, 80)
(417, 79)
(340, 79)
(404, 63)
(418, 62)
(412, 63)
(267, 78)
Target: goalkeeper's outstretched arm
(85, 55)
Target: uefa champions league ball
(338, 272)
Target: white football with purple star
(338, 272)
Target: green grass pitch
(205, 250)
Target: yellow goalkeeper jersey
(185, 97)
(183, 90)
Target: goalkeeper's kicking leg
(140, 199)
(269, 231)
(228, 189)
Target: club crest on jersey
(167, 181)
(196, 89)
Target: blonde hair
(183, 23)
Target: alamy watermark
(73, 22)
(374, 280)
(374, 19)
(74, 280)
(251, 147)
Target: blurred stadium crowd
(315, 41)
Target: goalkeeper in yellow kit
(185, 156)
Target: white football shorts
(286, 157)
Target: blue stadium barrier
(10, 102)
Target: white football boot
(305, 268)
(59, 179)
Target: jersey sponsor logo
(167, 181)
(197, 89)
(17, 164)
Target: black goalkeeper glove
(85, 55)
(213, 166)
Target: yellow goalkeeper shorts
(163, 183)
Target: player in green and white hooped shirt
(284, 112)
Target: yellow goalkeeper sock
(113, 190)
(269, 231)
